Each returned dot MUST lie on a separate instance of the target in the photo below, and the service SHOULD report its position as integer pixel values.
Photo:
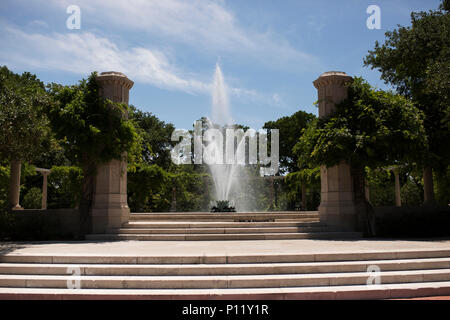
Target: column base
(340, 216)
(17, 207)
(105, 219)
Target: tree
(290, 131)
(92, 130)
(370, 128)
(24, 131)
(156, 142)
(23, 125)
(416, 60)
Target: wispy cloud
(205, 25)
(82, 53)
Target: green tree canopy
(290, 131)
(155, 134)
(416, 60)
(91, 128)
(24, 131)
(370, 128)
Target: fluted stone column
(14, 185)
(110, 207)
(45, 173)
(398, 197)
(337, 207)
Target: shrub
(4, 185)
(33, 199)
(64, 187)
(426, 221)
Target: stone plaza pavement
(199, 270)
(213, 248)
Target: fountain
(229, 179)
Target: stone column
(398, 199)
(110, 207)
(45, 173)
(337, 207)
(173, 206)
(367, 190)
(44, 192)
(14, 185)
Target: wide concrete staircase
(224, 226)
(276, 276)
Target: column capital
(114, 77)
(332, 77)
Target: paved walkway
(195, 248)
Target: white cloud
(205, 25)
(82, 53)
(38, 24)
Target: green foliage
(156, 137)
(91, 128)
(370, 128)
(4, 186)
(33, 199)
(381, 187)
(222, 206)
(290, 131)
(151, 188)
(190, 188)
(23, 125)
(411, 193)
(145, 188)
(64, 187)
(295, 180)
(416, 60)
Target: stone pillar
(45, 173)
(14, 185)
(173, 206)
(367, 190)
(398, 199)
(110, 207)
(44, 192)
(337, 207)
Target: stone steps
(229, 230)
(222, 269)
(218, 282)
(199, 226)
(260, 235)
(218, 224)
(225, 216)
(387, 291)
(275, 276)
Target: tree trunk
(428, 186)
(364, 209)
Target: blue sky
(269, 51)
